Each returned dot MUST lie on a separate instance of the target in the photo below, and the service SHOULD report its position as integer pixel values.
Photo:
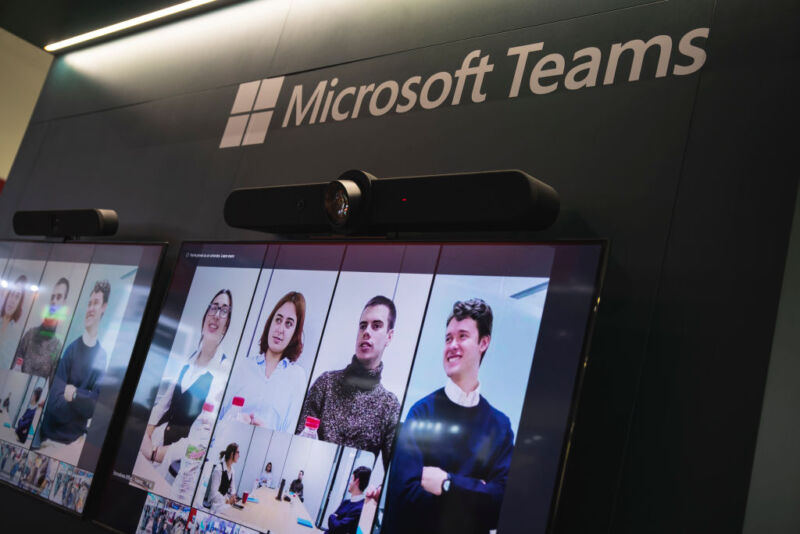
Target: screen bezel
(582, 356)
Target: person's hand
(160, 453)
(255, 421)
(374, 493)
(146, 447)
(432, 478)
(69, 392)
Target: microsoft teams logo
(251, 112)
(331, 101)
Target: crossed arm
(420, 485)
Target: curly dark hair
(104, 287)
(295, 346)
(477, 310)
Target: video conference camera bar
(68, 224)
(359, 203)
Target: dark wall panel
(157, 164)
(318, 34)
(231, 45)
(664, 167)
(24, 165)
(694, 433)
(261, 38)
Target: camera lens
(342, 198)
(338, 204)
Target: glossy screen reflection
(71, 316)
(369, 387)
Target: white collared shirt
(214, 366)
(460, 397)
(275, 401)
(218, 367)
(356, 498)
(217, 499)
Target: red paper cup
(244, 497)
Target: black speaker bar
(66, 223)
(357, 202)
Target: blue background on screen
(506, 365)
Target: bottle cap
(238, 401)
(312, 422)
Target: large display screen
(357, 387)
(70, 314)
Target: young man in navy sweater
(345, 519)
(453, 453)
(76, 384)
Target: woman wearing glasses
(182, 402)
(271, 382)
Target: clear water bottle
(234, 413)
(310, 428)
(192, 460)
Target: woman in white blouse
(267, 478)
(272, 383)
(179, 406)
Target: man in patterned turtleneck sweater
(40, 347)
(352, 405)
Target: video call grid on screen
(281, 371)
(69, 318)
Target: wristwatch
(446, 484)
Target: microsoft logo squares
(251, 112)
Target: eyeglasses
(216, 309)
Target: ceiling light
(126, 24)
